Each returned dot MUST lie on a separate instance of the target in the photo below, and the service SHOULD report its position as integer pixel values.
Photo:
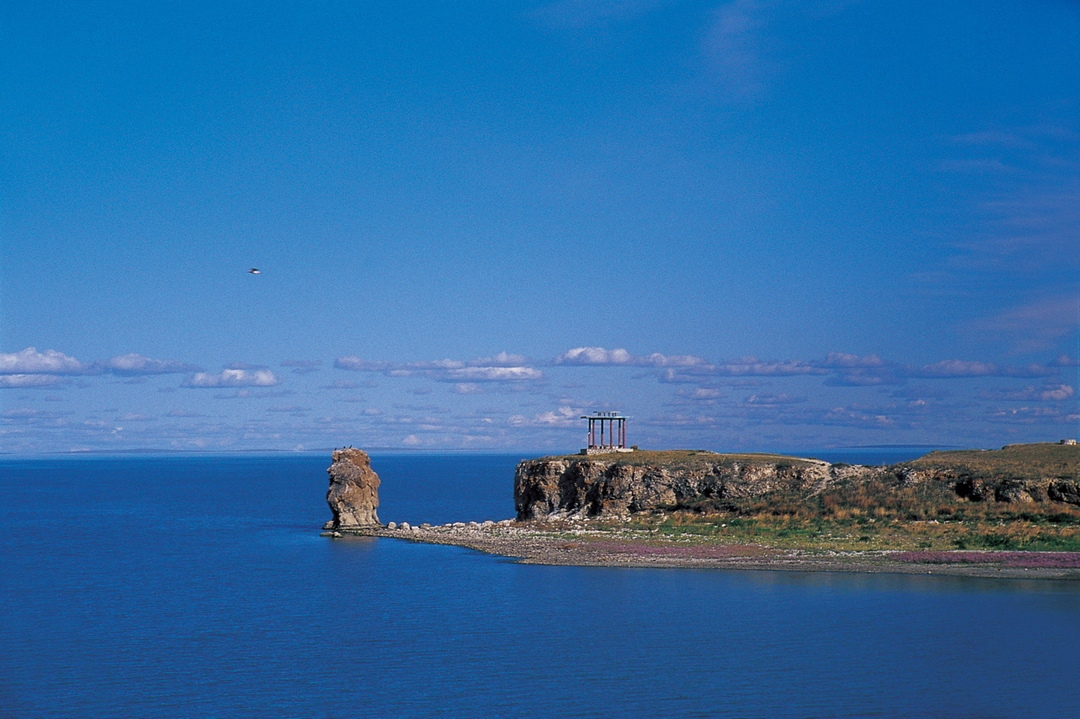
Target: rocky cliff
(610, 486)
(601, 486)
(1015, 473)
(354, 490)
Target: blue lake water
(199, 587)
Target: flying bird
(255, 271)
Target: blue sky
(748, 225)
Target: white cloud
(753, 367)
(962, 368)
(600, 357)
(21, 413)
(437, 364)
(1056, 394)
(492, 369)
(564, 416)
(492, 374)
(136, 364)
(50, 362)
(30, 361)
(503, 359)
(841, 359)
(354, 363)
(856, 417)
(772, 399)
(1049, 393)
(595, 356)
(26, 381)
(1031, 415)
(27, 415)
(232, 378)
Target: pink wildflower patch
(1032, 560)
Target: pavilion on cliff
(607, 433)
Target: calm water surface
(199, 587)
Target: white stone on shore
(405, 526)
(425, 525)
(391, 525)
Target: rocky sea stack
(354, 491)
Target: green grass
(861, 518)
(827, 534)
(1017, 461)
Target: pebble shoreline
(576, 544)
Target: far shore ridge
(1008, 513)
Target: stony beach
(580, 543)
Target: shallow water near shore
(195, 586)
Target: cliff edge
(579, 487)
(354, 490)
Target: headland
(1013, 512)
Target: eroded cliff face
(977, 488)
(605, 487)
(1040, 472)
(354, 490)
(594, 487)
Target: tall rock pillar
(354, 491)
